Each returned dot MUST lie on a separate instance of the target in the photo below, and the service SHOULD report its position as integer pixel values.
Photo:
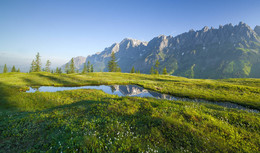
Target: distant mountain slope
(78, 61)
(229, 51)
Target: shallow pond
(135, 91)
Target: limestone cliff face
(257, 30)
(78, 61)
(228, 51)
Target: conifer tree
(84, 69)
(13, 69)
(18, 70)
(152, 70)
(38, 63)
(88, 67)
(132, 70)
(91, 68)
(60, 71)
(157, 66)
(118, 69)
(156, 71)
(112, 64)
(72, 67)
(57, 70)
(32, 69)
(47, 66)
(164, 71)
(67, 68)
(5, 69)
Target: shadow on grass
(31, 82)
(57, 80)
(5, 92)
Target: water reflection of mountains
(137, 91)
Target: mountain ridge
(228, 51)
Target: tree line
(113, 67)
(156, 70)
(36, 66)
(5, 70)
(152, 71)
(70, 67)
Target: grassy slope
(242, 91)
(90, 120)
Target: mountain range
(226, 52)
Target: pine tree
(57, 70)
(164, 71)
(60, 71)
(38, 63)
(13, 69)
(157, 66)
(18, 70)
(67, 68)
(138, 72)
(152, 70)
(84, 71)
(32, 69)
(88, 67)
(5, 69)
(47, 66)
(118, 69)
(72, 67)
(112, 64)
(91, 68)
(132, 70)
(156, 72)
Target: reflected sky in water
(135, 91)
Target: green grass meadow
(87, 120)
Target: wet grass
(91, 121)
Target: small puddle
(136, 91)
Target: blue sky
(62, 29)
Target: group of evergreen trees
(113, 67)
(12, 70)
(156, 70)
(70, 67)
(36, 65)
(87, 68)
(133, 70)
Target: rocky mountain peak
(246, 32)
(129, 42)
(257, 30)
(211, 51)
(115, 48)
(205, 29)
(191, 31)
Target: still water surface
(135, 91)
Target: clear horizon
(60, 30)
